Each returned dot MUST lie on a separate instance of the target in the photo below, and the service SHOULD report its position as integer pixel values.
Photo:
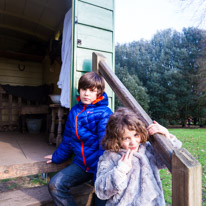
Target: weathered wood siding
(32, 75)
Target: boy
(83, 133)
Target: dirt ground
(22, 182)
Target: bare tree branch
(196, 9)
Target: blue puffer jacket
(84, 130)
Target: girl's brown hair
(91, 80)
(123, 118)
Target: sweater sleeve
(176, 143)
(111, 179)
(64, 151)
(155, 157)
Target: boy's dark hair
(92, 80)
(123, 118)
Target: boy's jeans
(60, 184)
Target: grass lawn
(194, 140)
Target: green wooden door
(93, 32)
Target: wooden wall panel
(10, 73)
(94, 38)
(105, 4)
(51, 74)
(84, 59)
(95, 16)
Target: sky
(141, 19)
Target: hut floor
(23, 155)
(20, 148)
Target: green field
(194, 140)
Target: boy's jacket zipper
(82, 143)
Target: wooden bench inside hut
(19, 103)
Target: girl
(127, 173)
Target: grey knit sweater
(139, 186)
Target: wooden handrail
(32, 168)
(162, 145)
(179, 162)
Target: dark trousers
(60, 184)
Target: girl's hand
(157, 128)
(48, 157)
(127, 158)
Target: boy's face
(131, 140)
(87, 96)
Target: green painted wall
(93, 31)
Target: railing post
(96, 58)
(186, 179)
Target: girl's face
(131, 140)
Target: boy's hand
(48, 157)
(127, 158)
(157, 128)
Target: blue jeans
(60, 184)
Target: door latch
(79, 41)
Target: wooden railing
(186, 171)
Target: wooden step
(37, 196)
(23, 155)
(26, 197)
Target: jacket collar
(102, 100)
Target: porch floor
(20, 148)
(22, 154)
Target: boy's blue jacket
(84, 130)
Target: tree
(133, 84)
(167, 66)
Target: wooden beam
(19, 170)
(160, 144)
(186, 179)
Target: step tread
(37, 196)
(26, 197)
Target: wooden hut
(31, 39)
